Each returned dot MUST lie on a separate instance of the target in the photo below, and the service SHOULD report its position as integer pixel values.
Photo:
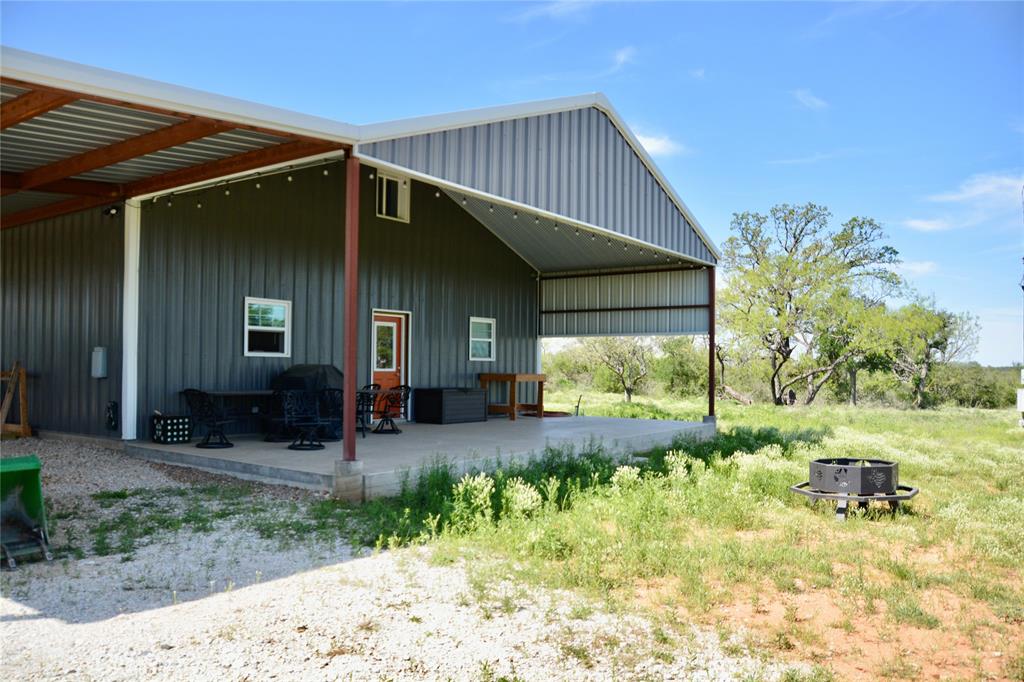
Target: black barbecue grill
(860, 481)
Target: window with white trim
(481, 338)
(393, 197)
(268, 327)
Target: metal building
(158, 222)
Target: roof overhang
(75, 137)
(549, 242)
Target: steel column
(711, 342)
(351, 312)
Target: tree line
(806, 309)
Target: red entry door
(388, 350)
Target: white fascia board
(421, 125)
(526, 208)
(65, 75)
(606, 106)
(474, 117)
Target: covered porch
(388, 459)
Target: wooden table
(512, 407)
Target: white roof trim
(58, 73)
(422, 125)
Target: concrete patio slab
(387, 459)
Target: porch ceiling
(71, 142)
(552, 246)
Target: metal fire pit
(849, 480)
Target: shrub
(471, 503)
(519, 499)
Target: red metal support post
(350, 332)
(711, 342)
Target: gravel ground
(228, 604)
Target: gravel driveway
(228, 603)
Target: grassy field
(709, 533)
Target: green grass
(707, 522)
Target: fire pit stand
(860, 481)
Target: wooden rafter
(239, 163)
(11, 183)
(142, 107)
(30, 105)
(141, 145)
(51, 210)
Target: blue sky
(912, 114)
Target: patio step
(263, 473)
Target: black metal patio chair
(332, 406)
(366, 405)
(395, 404)
(302, 413)
(207, 413)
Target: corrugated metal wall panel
(561, 298)
(573, 163)
(286, 240)
(61, 294)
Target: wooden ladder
(16, 381)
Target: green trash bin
(22, 514)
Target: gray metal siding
(197, 265)
(573, 163)
(632, 290)
(61, 293)
(445, 267)
(286, 241)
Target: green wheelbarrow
(22, 514)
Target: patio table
(512, 406)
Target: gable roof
(371, 136)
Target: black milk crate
(168, 428)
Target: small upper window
(481, 338)
(393, 197)
(268, 327)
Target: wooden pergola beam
(230, 165)
(30, 105)
(141, 145)
(151, 109)
(52, 210)
(11, 183)
(240, 163)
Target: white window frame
(404, 190)
(493, 340)
(287, 328)
(377, 324)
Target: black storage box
(450, 405)
(168, 428)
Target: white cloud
(661, 145)
(621, 57)
(927, 225)
(917, 268)
(560, 9)
(697, 74)
(984, 187)
(808, 99)
(980, 199)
